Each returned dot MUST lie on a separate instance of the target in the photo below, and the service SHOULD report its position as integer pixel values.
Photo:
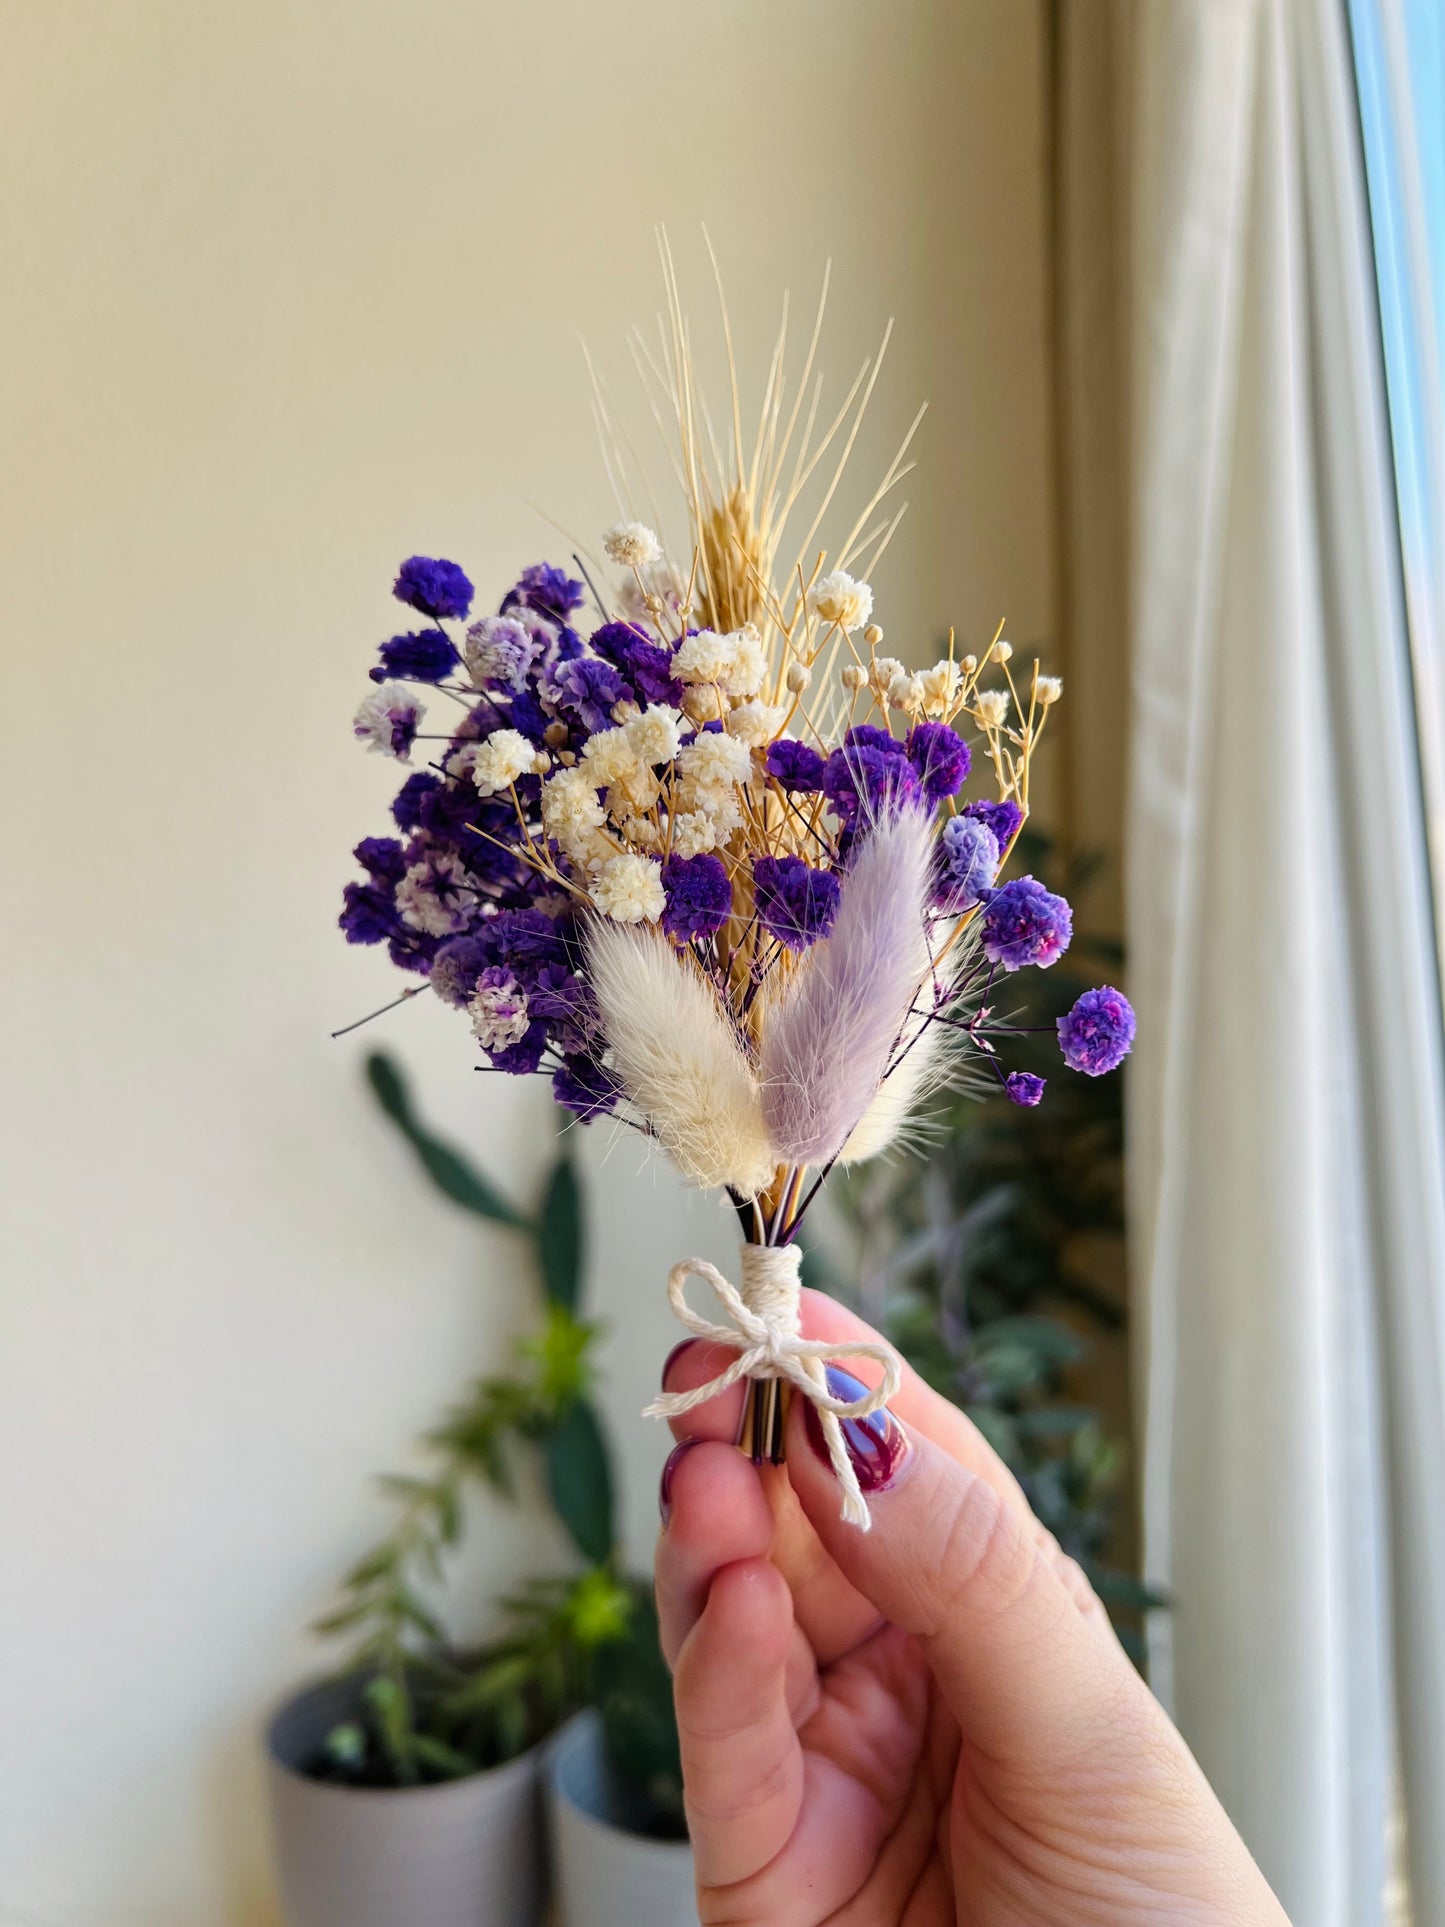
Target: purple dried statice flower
(585, 1087)
(1098, 1033)
(381, 857)
(413, 950)
(561, 1001)
(1004, 819)
(796, 904)
(439, 589)
(589, 688)
(795, 765)
(387, 720)
(870, 773)
(699, 897)
(523, 1057)
(549, 590)
(423, 655)
(457, 966)
(645, 667)
(368, 913)
(406, 810)
(965, 864)
(1023, 923)
(1023, 1087)
(941, 757)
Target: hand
(928, 1723)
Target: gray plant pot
(605, 1875)
(465, 1854)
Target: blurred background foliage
(424, 1709)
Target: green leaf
(448, 1170)
(344, 1617)
(579, 1477)
(441, 1758)
(560, 1236)
(391, 1703)
(372, 1565)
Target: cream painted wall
(288, 292)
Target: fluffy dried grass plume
(679, 1061)
(831, 1035)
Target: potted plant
(404, 1785)
(614, 1792)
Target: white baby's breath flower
(693, 832)
(837, 598)
(990, 707)
(702, 703)
(653, 733)
(1048, 689)
(749, 664)
(969, 664)
(905, 691)
(642, 833)
(632, 545)
(712, 761)
(705, 657)
(798, 677)
(500, 760)
(719, 806)
(881, 672)
(854, 676)
(1002, 650)
(624, 711)
(755, 723)
(940, 687)
(873, 635)
(629, 889)
(609, 758)
(571, 810)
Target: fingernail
(877, 1445)
(673, 1356)
(664, 1490)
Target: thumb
(1024, 1666)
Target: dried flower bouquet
(699, 850)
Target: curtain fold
(1287, 1142)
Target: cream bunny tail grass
(679, 1061)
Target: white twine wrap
(766, 1335)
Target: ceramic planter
(463, 1854)
(605, 1875)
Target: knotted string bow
(766, 1334)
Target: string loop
(765, 1332)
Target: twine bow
(767, 1336)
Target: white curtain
(1287, 1144)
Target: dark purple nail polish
(877, 1445)
(673, 1356)
(674, 1459)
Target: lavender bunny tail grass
(828, 1040)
